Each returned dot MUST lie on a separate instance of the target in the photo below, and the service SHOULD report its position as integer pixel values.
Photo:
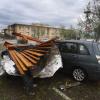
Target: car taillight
(98, 58)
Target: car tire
(79, 74)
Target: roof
(36, 25)
(77, 41)
(20, 24)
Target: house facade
(36, 30)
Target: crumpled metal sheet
(51, 68)
(54, 62)
(8, 66)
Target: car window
(69, 48)
(83, 50)
(99, 46)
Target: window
(19, 27)
(83, 50)
(99, 46)
(69, 48)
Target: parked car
(81, 59)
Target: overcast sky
(53, 12)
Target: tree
(91, 23)
(83, 32)
(62, 32)
(96, 13)
(97, 30)
(68, 33)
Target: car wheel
(79, 74)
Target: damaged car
(81, 59)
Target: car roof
(77, 41)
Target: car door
(69, 55)
(84, 57)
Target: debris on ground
(34, 85)
(31, 94)
(70, 85)
(62, 87)
(60, 93)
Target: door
(84, 57)
(69, 55)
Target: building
(36, 30)
(20, 28)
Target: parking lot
(11, 88)
(55, 88)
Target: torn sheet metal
(8, 66)
(51, 68)
(54, 62)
